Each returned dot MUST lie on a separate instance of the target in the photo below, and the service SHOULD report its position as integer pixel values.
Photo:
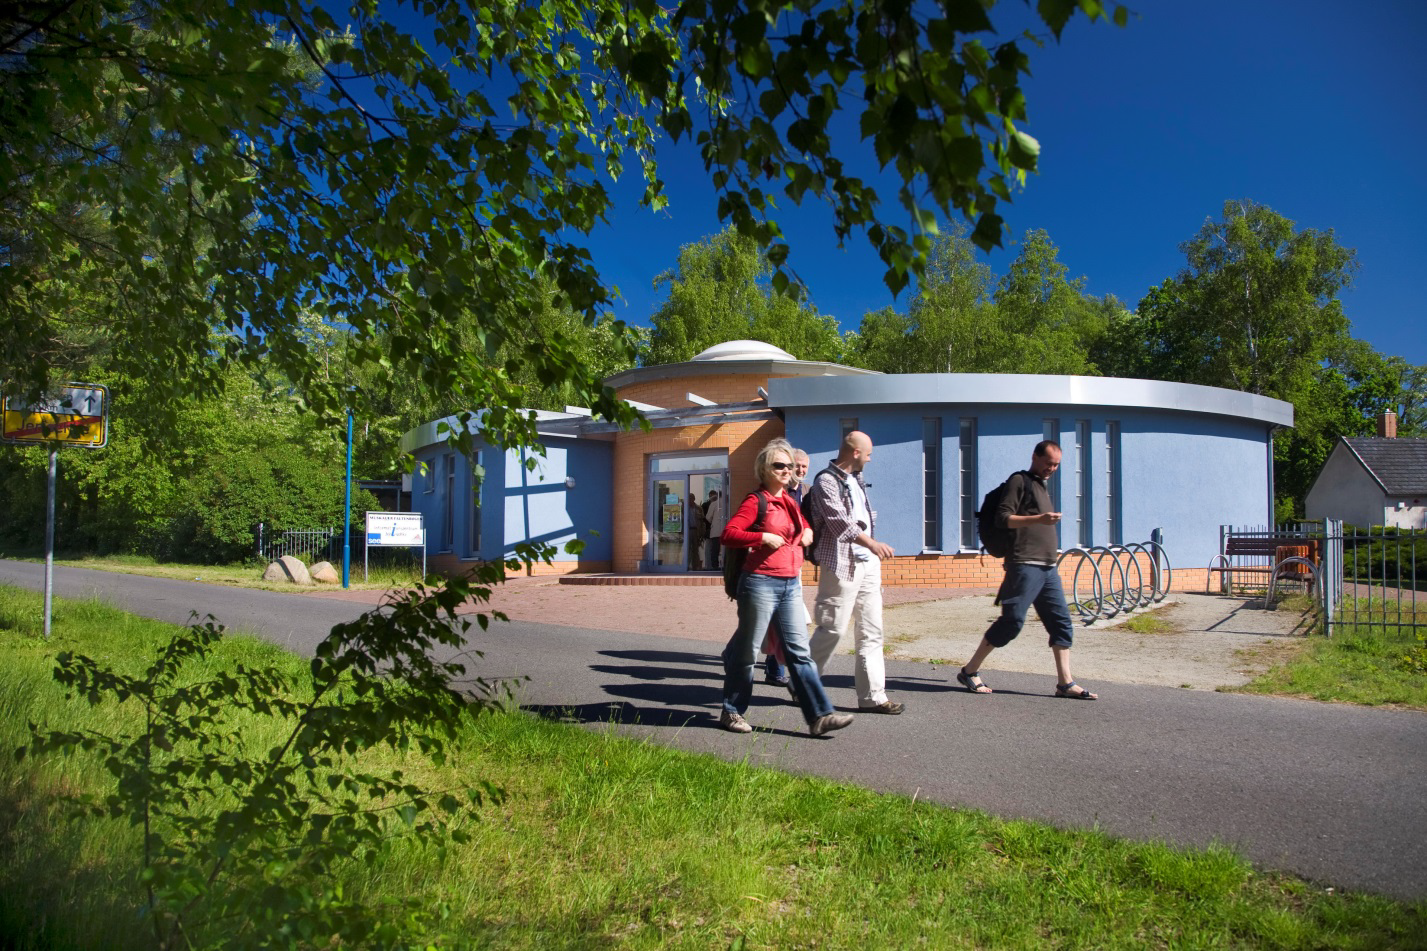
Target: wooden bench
(1275, 548)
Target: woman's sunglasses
(780, 466)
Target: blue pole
(347, 522)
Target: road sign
(77, 415)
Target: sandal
(972, 682)
(1063, 690)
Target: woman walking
(771, 590)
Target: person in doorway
(774, 671)
(850, 580)
(698, 525)
(1032, 578)
(771, 589)
(713, 515)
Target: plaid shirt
(833, 522)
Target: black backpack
(733, 558)
(996, 539)
(808, 510)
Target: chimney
(1387, 425)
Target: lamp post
(347, 520)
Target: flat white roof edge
(1024, 389)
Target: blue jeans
(763, 599)
(1024, 586)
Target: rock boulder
(288, 568)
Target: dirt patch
(1205, 641)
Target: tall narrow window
(478, 473)
(1112, 481)
(848, 424)
(966, 451)
(448, 514)
(1082, 482)
(931, 483)
(1050, 429)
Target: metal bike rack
(1105, 597)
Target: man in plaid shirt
(850, 580)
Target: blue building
(1138, 456)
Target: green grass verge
(609, 842)
(1371, 665)
(381, 577)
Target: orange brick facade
(632, 451)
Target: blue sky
(1315, 109)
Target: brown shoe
(829, 722)
(889, 707)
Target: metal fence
(309, 544)
(1365, 577)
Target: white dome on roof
(742, 350)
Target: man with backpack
(850, 582)
(1032, 579)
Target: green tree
(1256, 309)
(721, 289)
(1047, 323)
(392, 185)
(1033, 320)
(260, 166)
(954, 324)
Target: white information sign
(400, 529)
(394, 530)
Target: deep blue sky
(1317, 109)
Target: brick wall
(983, 571)
(632, 451)
(631, 454)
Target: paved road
(1334, 793)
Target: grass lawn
(379, 578)
(606, 842)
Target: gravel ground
(1198, 641)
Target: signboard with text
(401, 529)
(77, 415)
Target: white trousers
(858, 602)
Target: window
(966, 451)
(448, 511)
(427, 476)
(1050, 429)
(1112, 481)
(687, 461)
(478, 474)
(931, 484)
(848, 425)
(1082, 481)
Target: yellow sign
(77, 416)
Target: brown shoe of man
(830, 722)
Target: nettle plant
(240, 843)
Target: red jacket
(782, 518)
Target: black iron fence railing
(1363, 577)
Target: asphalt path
(1334, 793)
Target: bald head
(854, 452)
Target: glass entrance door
(688, 514)
(710, 490)
(668, 522)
